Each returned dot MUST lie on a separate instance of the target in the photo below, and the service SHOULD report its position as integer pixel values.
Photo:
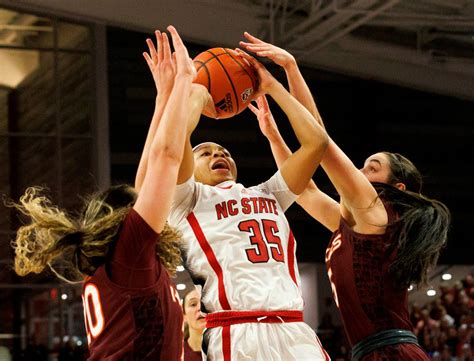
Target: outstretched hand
(260, 48)
(184, 64)
(265, 119)
(160, 63)
(266, 79)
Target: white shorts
(264, 342)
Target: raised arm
(163, 70)
(359, 202)
(298, 87)
(318, 204)
(166, 148)
(299, 167)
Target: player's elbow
(318, 143)
(168, 153)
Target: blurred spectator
(445, 326)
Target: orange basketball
(231, 81)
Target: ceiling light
(446, 276)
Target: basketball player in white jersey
(239, 247)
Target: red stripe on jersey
(211, 258)
(326, 356)
(228, 318)
(291, 257)
(228, 187)
(226, 343)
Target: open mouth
(220, 164)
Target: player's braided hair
(421, 228)
(74, 247)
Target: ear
(400, 186)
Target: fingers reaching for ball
(266, 80)
(184, 65)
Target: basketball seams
(231, 77)
(203, 65)
(230, 80)
(245, 70)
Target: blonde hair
(73, 248)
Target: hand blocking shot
(387, 235)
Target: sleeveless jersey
(238, 244)
(363, 289)
(133, 323)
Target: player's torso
(238, 244)
(362, 287)
(125, 324)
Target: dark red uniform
(364, 290)
(131, 309)
(190, 355)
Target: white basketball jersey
(238, 244)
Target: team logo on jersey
(262, 190)
(246, 94)
(225, 104)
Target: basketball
(230, 80)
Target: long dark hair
(421, 228)
(404, 171)
(75, 246)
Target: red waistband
(227, 318)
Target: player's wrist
(290, 65)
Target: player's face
(213, 164)
(377, 168)
(192, 311)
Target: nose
(218, 153)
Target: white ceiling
(422, 44)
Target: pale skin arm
(359, 202)
(300, 166)
(318, 204)
(162, 68)
(166, 149)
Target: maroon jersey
(190, 355)
(363, 289)
(132, 310)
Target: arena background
(76, 98)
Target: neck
(195, 339)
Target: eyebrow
(375, 160)
(201, 147)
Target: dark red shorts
(402, 351)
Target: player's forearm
(171, 133)
(300, 90)
(280, 150)
(309, 133)
(160, 104)
(186, 168)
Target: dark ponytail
(419, 232)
